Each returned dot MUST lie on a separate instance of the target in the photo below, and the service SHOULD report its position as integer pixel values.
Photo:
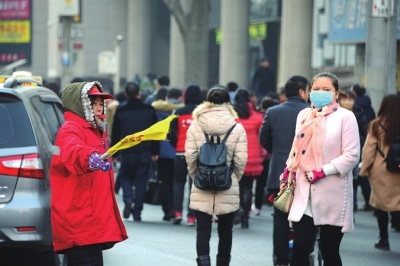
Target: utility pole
(380, 53)
(118, 40)
(66, 51)
(67, 9)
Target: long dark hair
(241, 99)
(388, 118)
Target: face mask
(321, 98)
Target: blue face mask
(321, 98)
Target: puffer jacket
(84, 210)
(252, 125)
(217, 119)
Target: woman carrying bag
(325, 149)
(216, 115)
(385, 195)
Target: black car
(30, 116)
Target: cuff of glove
(314, 176)
(285, 175)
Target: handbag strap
(290, 177)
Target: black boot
(223, 262)
(203, 260)
(382, 244)
(127, 209)
(245, 222)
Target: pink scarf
(306, 151)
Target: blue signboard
(348, 21)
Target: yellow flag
(158, 131)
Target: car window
(47, 115)
(15, 127)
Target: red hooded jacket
(83, 206)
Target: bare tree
(194, 28)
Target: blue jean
(134, 171)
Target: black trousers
(246, 193)
(280, 236)
(166, 175)
(303, 241)
(90, 255)
(180, 177)
(383, 223)
(225, 225)
(260, 185)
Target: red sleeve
(75, 149)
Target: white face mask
(321, 98)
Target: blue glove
(95, 163)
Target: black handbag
(153, 193)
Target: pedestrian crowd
(326, 137)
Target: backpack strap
(228, 133)
(380, 152)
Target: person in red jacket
(84, 213)
(177, 137)
(251, 121)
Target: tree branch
(175, 8)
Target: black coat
(264, 82)
(277, 134)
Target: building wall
(326, 56)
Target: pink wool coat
(332, 196)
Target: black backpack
(213, 172)
(392, 159)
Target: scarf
(306, 150)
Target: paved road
(155, 242)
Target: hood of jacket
(166, 106)
(215, 118)
(75, 98)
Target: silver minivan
(30, 116)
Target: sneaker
(191, 221)
(255, 210)
(382, 244)
(127, 209)
(177, 217)
(366, 207)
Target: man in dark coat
(134, 116)
(276, 136)
(264, 80)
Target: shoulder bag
(283, 201)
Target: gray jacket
(277, 134)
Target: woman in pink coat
(385, 194)
(325, 149)
(251, 121)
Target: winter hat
(96, 92)
(192, 94)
